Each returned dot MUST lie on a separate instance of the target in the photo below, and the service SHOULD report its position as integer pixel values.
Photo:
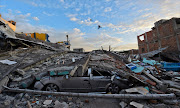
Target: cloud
(62, 1)
(29, 28)
(145, 18)
(110, 25)
(35, 18)
(1, 6)
(105, 39)
(34, 4)
(108, 0)
(147, 15)
(108, 9)
(9, 11)
(126, 46)
(28, 14)
(143, 10)
(74, 19)
(78, 31)
(44, 3)
(48, 14)
(87, 21)
(18, 11)
(17, 18)
(77, 9)
(71, 15)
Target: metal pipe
(91, 95)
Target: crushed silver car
(94, 81)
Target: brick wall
(163, 35)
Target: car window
(96, 73)
(105, 73)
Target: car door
(76, 84)
(99, 82)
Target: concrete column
(175, 28)
(138, 45)
(159, 40)
(147, 42)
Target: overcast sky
(121, 20)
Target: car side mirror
(91, 76)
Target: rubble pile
(38, 74)
(143, 76)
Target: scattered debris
(123, 104)
(140, 90)
(61, 104)
(29, 105)
(47, 102)
(137, 105)
(8, 62)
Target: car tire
(113, 89)
(52, 87)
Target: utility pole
(67, 38)
(101, 47)
(68, 43)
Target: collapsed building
(36, 73)
(78, 50)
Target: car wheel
(52, 88)
(113, 88)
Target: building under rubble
(165, 33)
(78, 50)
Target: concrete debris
(20, 71)
(61, 68)
(152, 53)
(7, 102)
(3, 82)
(171, 101)
(73, 60)
(123, 104)
(137, 105)
(8, 62)
(61, 105)
(140, 90)
(47, 102)
(29, 105)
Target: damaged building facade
(165, 33)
